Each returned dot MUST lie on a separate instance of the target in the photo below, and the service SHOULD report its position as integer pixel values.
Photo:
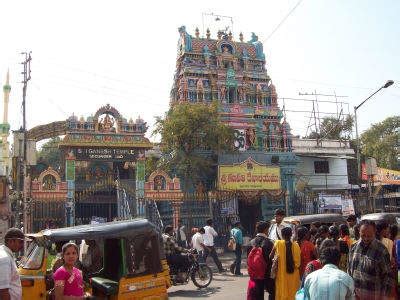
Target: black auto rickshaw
(390, 218)
(133, 264)
(323, 219)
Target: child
(68, 279)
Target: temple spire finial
(208, 33)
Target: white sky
(89, 53)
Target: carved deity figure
(259, 94)
(219, 62)
(250, 137)
(241, 94)
(183, 87)
(186, 39)
(200, 89)
(107, 123)
(258, 45)
(223, 92)
(49, 183)
(200, 86)
(159, 183)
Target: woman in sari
(287, 280)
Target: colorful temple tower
(5, 131)
(234, 74)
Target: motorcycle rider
(174, 253)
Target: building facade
(321, 175)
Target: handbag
(274, 267)
(232, 244)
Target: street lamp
(386, 85)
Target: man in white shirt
(10, 282)
(275, 230)
(198, 242)
(208, 237)
(181, 235)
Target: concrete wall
(336, 178)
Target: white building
(323, 164)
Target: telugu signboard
(249, 175)
(383, 176)
(109, 154)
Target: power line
(283, 20)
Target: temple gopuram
(260, 175)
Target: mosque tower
(5, 130)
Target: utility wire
(283, 20)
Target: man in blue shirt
(329, 283)
(237, 234)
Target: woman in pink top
(68, 279)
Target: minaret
(6, 90)
(5, 130)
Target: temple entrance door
(249, 214)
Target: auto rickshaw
(324, 219)
(390, 218)
(133, 264)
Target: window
(34, 259)
(192, 96)
(321, 167)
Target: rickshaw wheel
(202, 277)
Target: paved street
(224, 286)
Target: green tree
(151, 164)
(381, 141)
(191, 135)
(49, 154)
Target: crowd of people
(357, 260)
(345, 261)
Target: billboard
(249, 175)
(383, 176)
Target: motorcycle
(198, 272)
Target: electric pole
(27, 76)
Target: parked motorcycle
(198, 272)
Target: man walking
(237, 234)
(208, 237)
(369, 265)
(10, 283)
(181, 235)
(276, 228)
(262, 240)
(329, 283)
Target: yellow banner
(249, 175)
(387, 176)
